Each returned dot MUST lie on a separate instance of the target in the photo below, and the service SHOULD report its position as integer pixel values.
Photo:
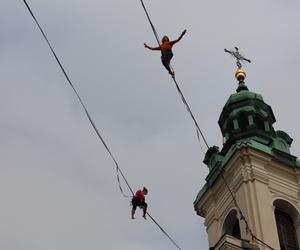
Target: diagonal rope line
(190, 112)
(242, 217)
(151, 24)
(94, 126)
(163, 231)
(177, 86)
(198, 137)
(199, 131)
(83, 105)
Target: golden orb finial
(240, 75)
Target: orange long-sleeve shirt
(166, 45)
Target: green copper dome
(247, 121)
(246, 115)
(242, 96)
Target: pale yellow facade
(260, 183)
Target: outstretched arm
(179, 38)
(151, 48)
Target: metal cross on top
(239, 58)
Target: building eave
(277, 155)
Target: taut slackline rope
(151, 24)
(93, 124)
(83, 105)
(242, 217)
(190, 112)
(163, 231)
(176, 84)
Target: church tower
(251, 197)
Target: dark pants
(138, 203)
(166, 57)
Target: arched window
(243, 120)
(231, 225)
(230, 126)
(285, 216)
(258, 121)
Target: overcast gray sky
(58, 187)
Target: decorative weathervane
(239, 58)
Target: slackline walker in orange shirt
(166, 50)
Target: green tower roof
(246, 115)
(246, 121)
(242, 95)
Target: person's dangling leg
(145, 210)
(166, 59)
(134, 205)
(132, 213)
